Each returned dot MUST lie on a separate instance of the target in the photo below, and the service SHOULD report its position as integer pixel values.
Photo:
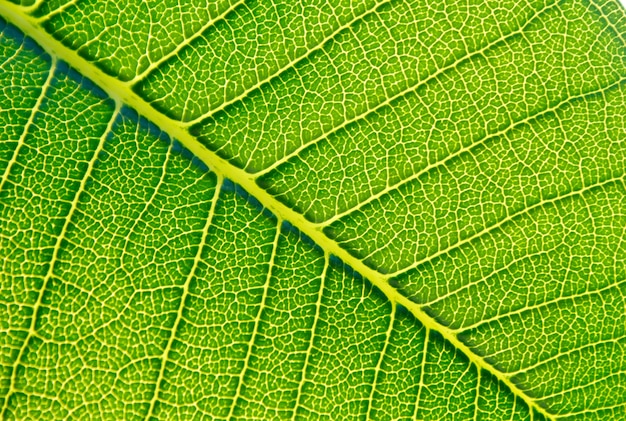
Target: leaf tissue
(301, 210)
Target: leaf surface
(254, 210)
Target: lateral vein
(29, 123)
(257, 321)
(53, 260)
(179, 313)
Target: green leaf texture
(300, 210)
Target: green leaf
(305, 210)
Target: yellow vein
(503, 221)
(149, 202)
(619, 251)
(309, 350)
(477, 281)
(541, 305)
(211, 22)
(422, 372)
(183, 299)
(572, 415)
(31, 118)
(468, 148)
(459, 379)
(563, 354)
(477, 398)
(286, 67)
(52, 13)
(119, 312)
(36, 4)
(379, 363)
(257, 322)
(594, 382)
(454, 64)
(513, 409)
(53, 260)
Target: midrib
(121, 93)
